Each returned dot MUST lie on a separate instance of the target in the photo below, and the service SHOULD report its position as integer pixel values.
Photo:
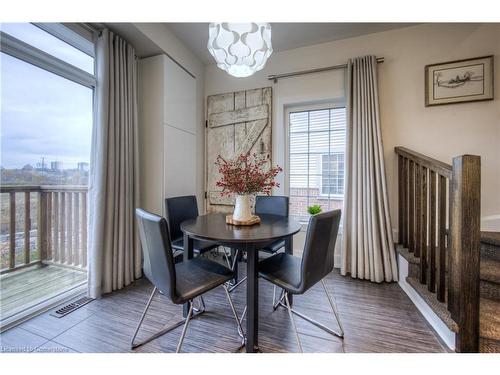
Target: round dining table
(213, 227)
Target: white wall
(161, 35)
(441, 132)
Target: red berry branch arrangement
(246, 175)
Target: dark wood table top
(214, 227)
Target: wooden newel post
(465, 250)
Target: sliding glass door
(47, 87)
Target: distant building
(83, 166)
(42, 166)
(56, 165)
(28, 167)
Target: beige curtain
(367, 246)
(114, 257)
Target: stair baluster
(434, 196)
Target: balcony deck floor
(22, 289)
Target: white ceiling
(284, 35)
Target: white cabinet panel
(179, 162)
(180, 97)
(167, 132)
(150, 105)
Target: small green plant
(314, 209)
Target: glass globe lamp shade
(241, 49)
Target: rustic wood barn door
(237, 122)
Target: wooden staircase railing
(434, 196)
(58, 228)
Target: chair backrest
(179, 209)
(158, 265)
(318, 256)
(271, 205)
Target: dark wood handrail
(426, 161)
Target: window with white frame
(316, 147)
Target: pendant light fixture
(241, 49)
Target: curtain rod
(275, 77)
(93, 27)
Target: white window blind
(316, 159)
(332, 178)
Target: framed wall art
(459, 81)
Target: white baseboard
(437, 324)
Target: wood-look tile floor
(376, 318)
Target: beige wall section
(441, 132)
(161, 35)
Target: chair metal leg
(184, 329)
(235, 259)
(162, 331)
(176, 252)
(317, 324)
(280, 300)
(232, 267)
(241, 333)
(238, 322)
(243, 314)
(193, 312)
(201, 308)
(293, 321)
(142, 317)
(333, 305)
(226, 257)
(233, 287)
(240, 327)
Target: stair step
(489, 322)
(489, 318)
(490, 246)
(439, 308)
(405, 253)
(489, 346)
(490, 270)
(490, 290)
(489, 331)
(492, 238)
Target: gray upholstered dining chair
(272, 205)
(179, 209)
(182, 208)
(182, 282)
(296, 276)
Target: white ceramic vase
(242, 209)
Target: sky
(42, 114)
